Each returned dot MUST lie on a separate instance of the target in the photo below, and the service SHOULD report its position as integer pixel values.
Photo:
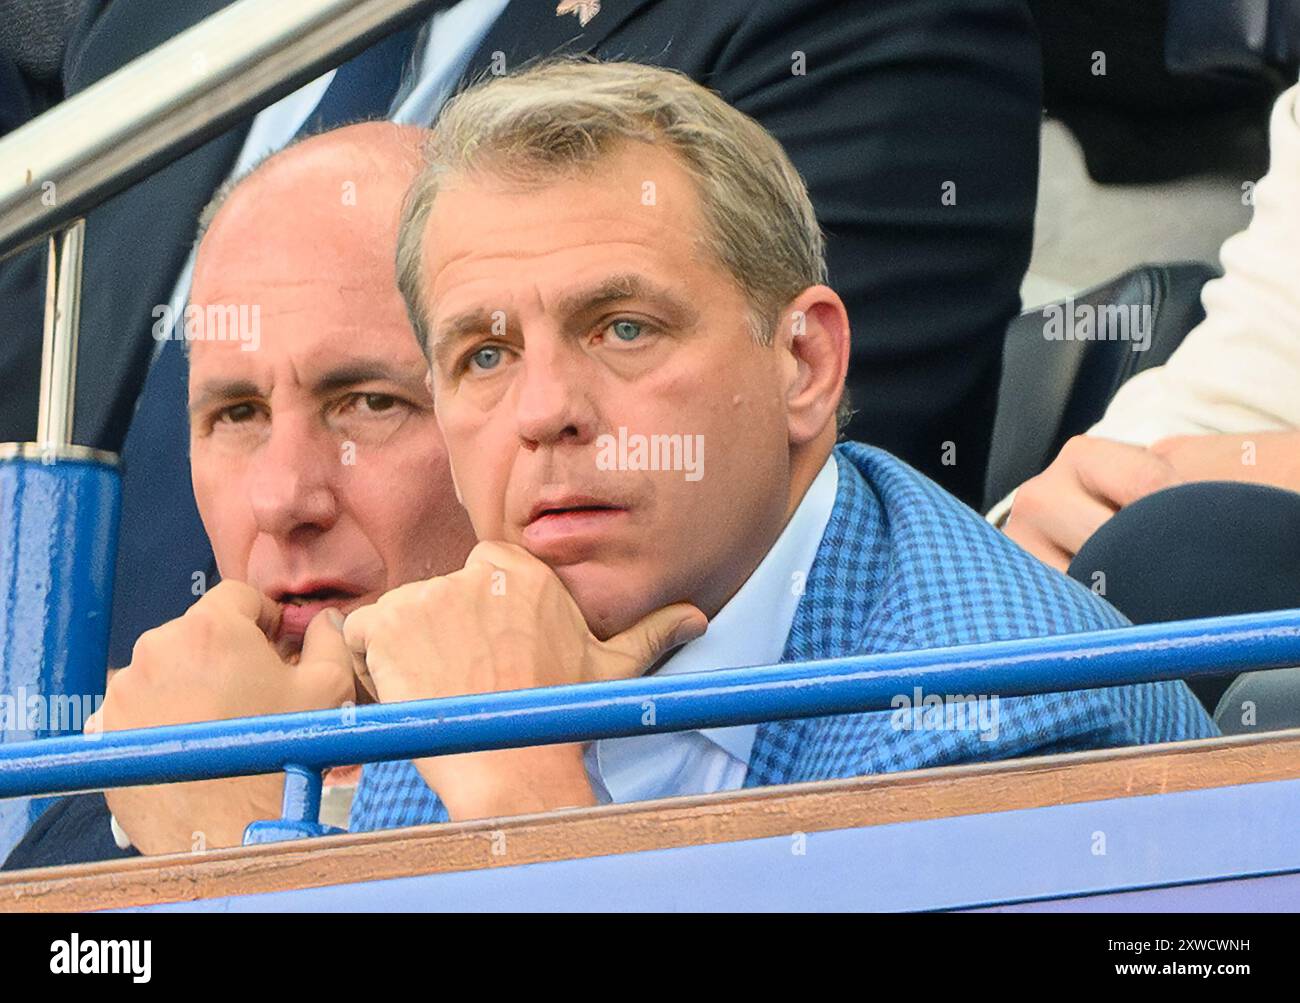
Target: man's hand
(1091, 479)
(213, 663)
(503, 622)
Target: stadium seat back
(1063, 362)
(1258, 702)
(1232, 38)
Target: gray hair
(560, 116)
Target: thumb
(325, 669)
(642, 644)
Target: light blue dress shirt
(750, 630)
(449, 43)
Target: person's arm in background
(915, 124)
(1226, 406)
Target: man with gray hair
(604, 253)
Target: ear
(814, 330)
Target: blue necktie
(163, 553)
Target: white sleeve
(1239, 369)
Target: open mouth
(299, 607)
(566, 529)
(322, 595)
(573, 509)
(571, 505)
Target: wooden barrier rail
(615, 829)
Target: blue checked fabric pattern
(903, 565)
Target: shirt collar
(752, 628)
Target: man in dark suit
(914, 123)
(609, 269)
(316, 460)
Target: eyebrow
(618, 289)
(606, 293)
(216, 390)
(348, 374)
(361, 371)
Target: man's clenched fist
(212, 663)
(503, 622)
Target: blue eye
(626, 330)
(486, 357)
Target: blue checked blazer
(903, 565)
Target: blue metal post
(300, 818)
(58, 538)
(59, 506)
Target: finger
(498, 554)
(1040, 546)
(1076, 517)
(326, 671)
(96, 723)
(242, 600)
(357, 628)
(1120, 474)
(642, 644)
(498, 563)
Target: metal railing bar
(170, 100)
(248, 746)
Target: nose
(292, 484)
(554, 403)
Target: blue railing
(305, 744)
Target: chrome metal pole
(59, 506)
(59, 350)
(165, 103)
